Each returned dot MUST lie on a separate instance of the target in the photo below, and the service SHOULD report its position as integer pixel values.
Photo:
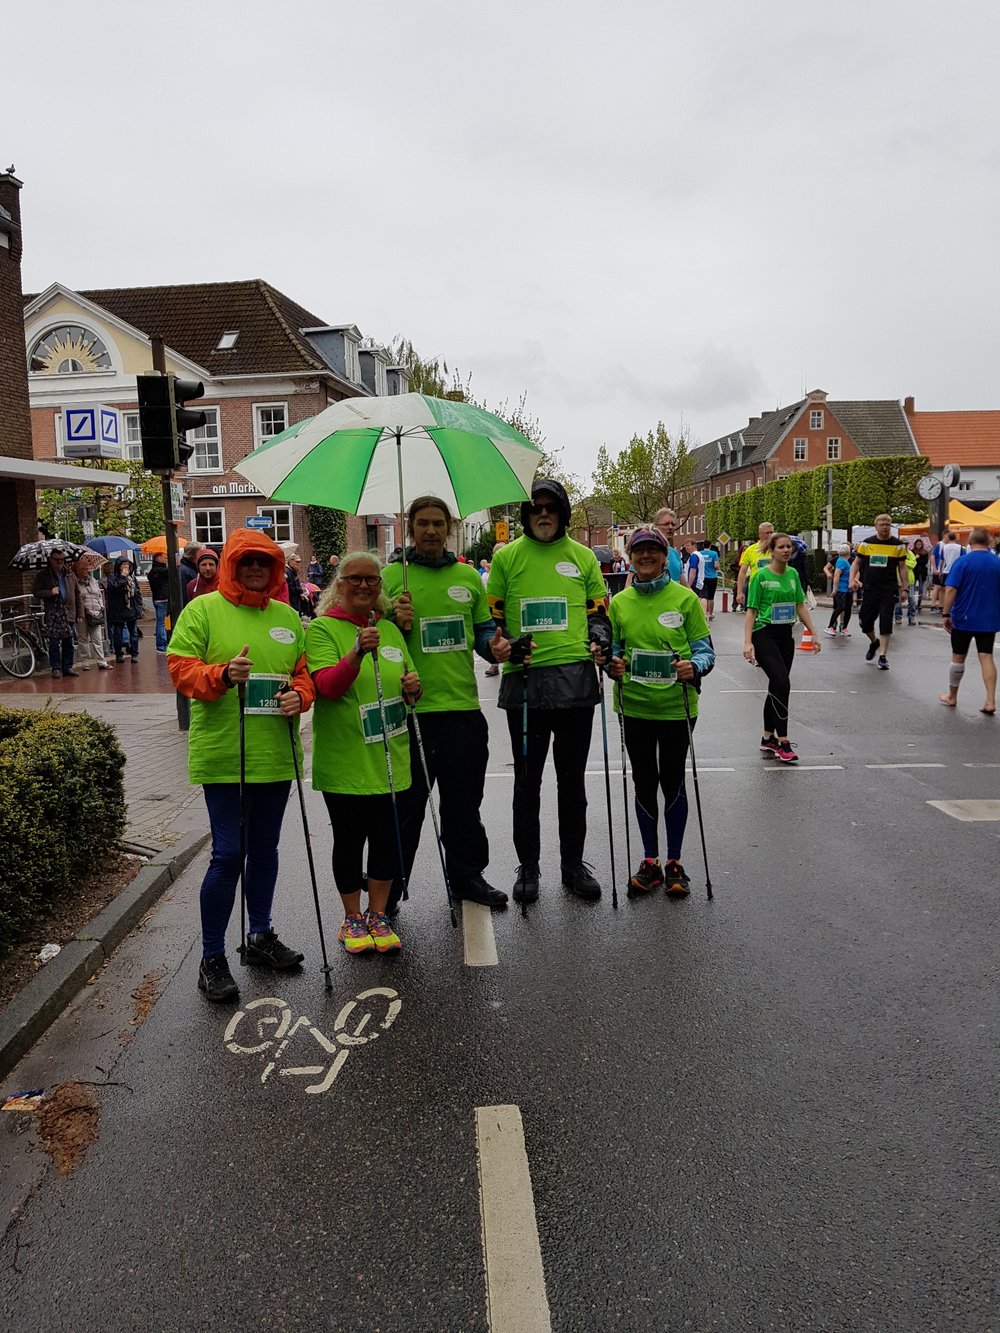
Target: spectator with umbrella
(90, 611)
(57, 587)
(124, 601)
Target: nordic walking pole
(697, 792)
(524, 759)
(607, 791)
(388, 764)
(621, 732)
(434, 817)
(241, 696)
(327, 981)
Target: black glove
(599, 631)
(520, 649)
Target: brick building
(20, 473)
(807, 434)
(266, 363)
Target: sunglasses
(543, 509)
(359, 580)
(263, 560)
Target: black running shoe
(883, 664)
(526, 884)
(216, 980)
(676, 880)
(648, 877)
(871, 651)
(580, 882)
(266, 950)
(476, 890)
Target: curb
(46, 996)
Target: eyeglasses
(537, 510)
(263, 560)
(359, 580)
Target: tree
(134, 511)
(430, 375)
(645, 476)
(885, 485)
(327, 533)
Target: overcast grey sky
(632, 212)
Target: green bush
(62, 808)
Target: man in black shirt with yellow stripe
(880, 567)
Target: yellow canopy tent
(961, 518)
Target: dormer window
(228, 340)
(351, 363)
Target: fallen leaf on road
(67, 1125)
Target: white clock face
(951, 473)
(929, 488)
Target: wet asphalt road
(776, 1110)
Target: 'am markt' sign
(91, 430)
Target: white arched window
(68, 349)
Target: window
(209, 526)
(703, 495)
(69, 349)
(281, 521)
(833, 448)
(351, 363)
(133, 437)
(816, 419)
(727, 487)
(227, 341)
(269, 419)
(207, 456)
(799, 451)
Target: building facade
(969, 439)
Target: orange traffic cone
(808, 644)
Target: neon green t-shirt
(447, 602)
(651, 629)
(348, 752)
(214, 630)
(755, 557)
(544, 589)
(775, 597)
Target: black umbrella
(35, 555)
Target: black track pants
(568, 730)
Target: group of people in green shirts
(398, 645)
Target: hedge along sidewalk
(166, 821)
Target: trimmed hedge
(62, 808)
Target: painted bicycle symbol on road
(267, 1026)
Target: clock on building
(929, 488)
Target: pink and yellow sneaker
(354, 934)
(383, 937)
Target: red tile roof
(971, 439)
(192, 318)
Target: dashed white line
(969, 811)
(515, 1280)
(906, 765)
(981, 765)
(477, 930)
(805, 768)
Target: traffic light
(164, 420)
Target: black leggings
(842, 608)
(774, 648)
(657, 751)
(357, 820)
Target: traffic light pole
(174, 595)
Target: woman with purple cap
(662, 650)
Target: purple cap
(648, 535)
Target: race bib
(542, 614)
(443, 634)
(649, 667)
(371, 720)
(261, 695)
(783, 613)
(878, 561)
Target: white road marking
(981, 765)
(804, 768)
(515, 1280)
(477, 929)
(906, 765)
(764, 691)
(969, 811)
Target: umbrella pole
(402, 516)
(241, 694)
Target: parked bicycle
(23, 640)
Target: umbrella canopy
(35, 555)
(110, 547)
(92, 560)
(158, 545)
(354, 455)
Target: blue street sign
(259, 521)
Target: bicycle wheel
(17, 657)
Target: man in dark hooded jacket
(548, 588)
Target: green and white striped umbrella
(355, 455)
